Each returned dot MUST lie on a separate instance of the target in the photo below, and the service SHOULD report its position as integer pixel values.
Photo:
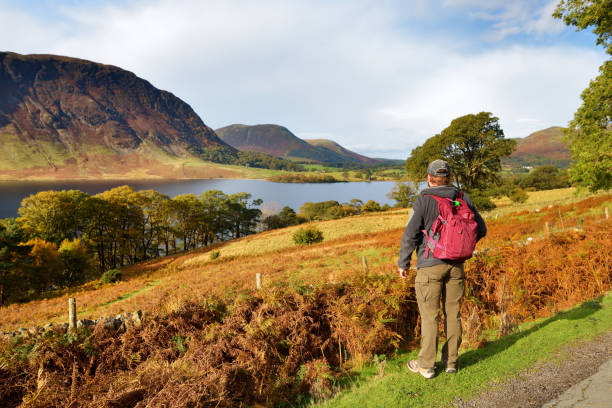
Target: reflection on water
(274, 195)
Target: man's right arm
(412, 234)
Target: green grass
(480, 369)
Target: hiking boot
(450, 370)
(413, 365)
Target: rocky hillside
(543, 147)
(279, 141)
(79, 118)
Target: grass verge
(480, 369)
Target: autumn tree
(371, 206)
(75, 261)
(46, 267)
(54, 215)
(590, 132)
(124, 218)
(473, 145)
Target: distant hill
(345, 153)
(77, 118)
(279, 141)
(544, 147)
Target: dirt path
(546, 381)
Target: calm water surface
(274, 195)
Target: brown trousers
(444, 282)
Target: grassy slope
(27, 164)
(481, 368)
(185, 276)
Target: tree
(46, 266)
(371, 206)
(323, 210)
(189, 214)
(54, 215)
(284, 218)
(590, 132)
(473, 145)
(403, 193)
(15, 261)
(243, 217)
(124, 224)
(544, 178)
(356, 204)
(74, 257)
(588, 13)
(217, 221)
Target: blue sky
(379, 77)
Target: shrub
(482, 203)
(371, 206)
(307, 236)
(518, 195)
(111, 276)
(324, 210)
(214, 255)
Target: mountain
(544, 147)
(279, 141)
(77, 118)
(348, 155)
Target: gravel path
(546, 381)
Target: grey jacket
(424, 213)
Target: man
(436, 279)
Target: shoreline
(170, 179)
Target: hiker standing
(443, 228)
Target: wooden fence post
(364, 264)
(547, 228)
(72, 316)
(258, 280)
(607, 213)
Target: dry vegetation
(217, 342)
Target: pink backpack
(456, 228)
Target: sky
(377, 76)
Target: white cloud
(509, 18)
(513, 84)
(347, 70)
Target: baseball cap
(438, 168)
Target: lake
(274, 195)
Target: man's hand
(403, 273)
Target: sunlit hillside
(161, 283)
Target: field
(321, 313)
(192, 275)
